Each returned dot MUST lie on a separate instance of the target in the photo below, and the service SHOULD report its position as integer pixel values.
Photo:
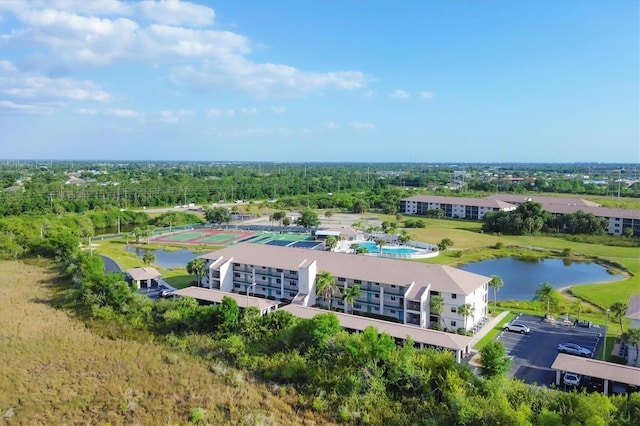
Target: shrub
(498, 245)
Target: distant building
(453, 207)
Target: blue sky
(330, 80)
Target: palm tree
(436, 306)
(466, 311)
(148, 258)
(326, 286)
(196, 266)
(544, 294)
(404, 236)
(350, 295)
(331, 243)
(380, 242)
(576, 306)
(496, 283)
(618, 311)
(632, 337)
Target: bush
(498, 245)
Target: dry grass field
(53, 370)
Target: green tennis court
(286, 237)
(218, 238)
(182, 237)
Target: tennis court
(205, 236)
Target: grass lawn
(494, 332)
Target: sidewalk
(487, 327)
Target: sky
(321, 80)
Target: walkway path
(488, 327)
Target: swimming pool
(373, 248)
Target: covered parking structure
(594, 368)
(423, 337)
(215, 297)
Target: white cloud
(218, 112)
(122, 113)
(362, 126)
(425, 95)
(173, 12)
(171, 117)
(332, 125)
(28, 85)
(400, 94)
(277, 109)
(69, 35)
(28, 108)
(86, 111)
(249, 111)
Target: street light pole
(254, 293)
(606, 325)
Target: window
(341, 279)
(393, 298)
(393, 311)
(291, 282)
(236, 274)
(393, 286)
(377, 296)
(434, 293)
(357, 282)
(292, 294)
(357, 306)
(454, 296)
(236, 265)
(264, 278)
(278, 270)
(278, 280)
(453, 323)
(293, 272)
(454, 309)
(236, 286)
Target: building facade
(453, 207)
(394, 290)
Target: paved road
(110, 265)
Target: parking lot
(534, 353)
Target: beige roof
(400, 331)
(596, 211)
(595, 368)
(215, 296)
(146, 273)
(461, 201)
(633, 310)
(365, 268)
(522, 198)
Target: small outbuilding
(146, 277)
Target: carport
(205, 295)
(594, 368)
(144, 277)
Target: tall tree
(404, 236)
(148, 257)
(467, 310)
(218, 215)
(195, 267)
(331, 243)
(436, 306)
(308, 219)
(632, 337)
(350, 295)
(326, 286)
(618, 311)
(496, 283)
(548, 294)
(380, 242)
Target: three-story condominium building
(394, 290)
(453, 207)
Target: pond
(167, 259)
(523, 277)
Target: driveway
(533, 354)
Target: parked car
(571, 379)
(573, 349)
(517, 327)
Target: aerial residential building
(453, 207)
(394, 290)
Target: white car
(573, 349)
(571, 379)
(517, 327)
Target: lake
(523, 277)
(167, 259)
